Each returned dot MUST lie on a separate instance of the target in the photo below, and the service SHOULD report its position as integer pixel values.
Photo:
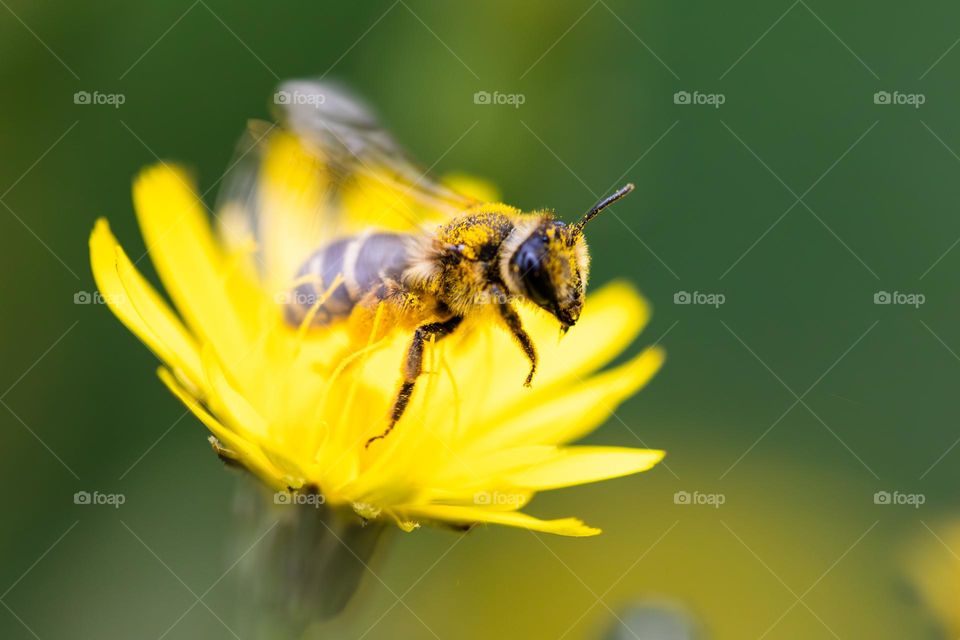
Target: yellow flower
(933, 566)
(295, 407)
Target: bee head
(549, 268)
(548, 263)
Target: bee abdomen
(363, 262)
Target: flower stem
(301, 562)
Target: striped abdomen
(364, 262)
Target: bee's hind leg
(413, 367)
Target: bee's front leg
(413, 366)
(512, 320)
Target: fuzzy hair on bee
(462, 259)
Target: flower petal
(557, 418)
(226, 400)
(472, 186)
(579, 465)
(470, 472)
(290, 208)
(248, 454)
(178, 236)
(492, 497)
(469, 515)
(140, 308)
(613, 317)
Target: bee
(355, 229)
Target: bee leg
(413, 367)
(512, 320)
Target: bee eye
(534, 278)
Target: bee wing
(341, 128)
(327, 170)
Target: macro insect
(379, 241)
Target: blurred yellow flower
(295, 407)
(934, 569)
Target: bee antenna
(600, 206)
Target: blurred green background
(797, 399)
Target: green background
(82, 409)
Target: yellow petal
(291, 213)
(613, 317)
(469, 515)
(140, 308)
(472, 186)
(178, 236)
(228, 401)
(579, 465)
(557, 418)
(472, 471)
(490, 496)
(248, 454)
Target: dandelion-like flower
(934, 570)
(295, 405)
